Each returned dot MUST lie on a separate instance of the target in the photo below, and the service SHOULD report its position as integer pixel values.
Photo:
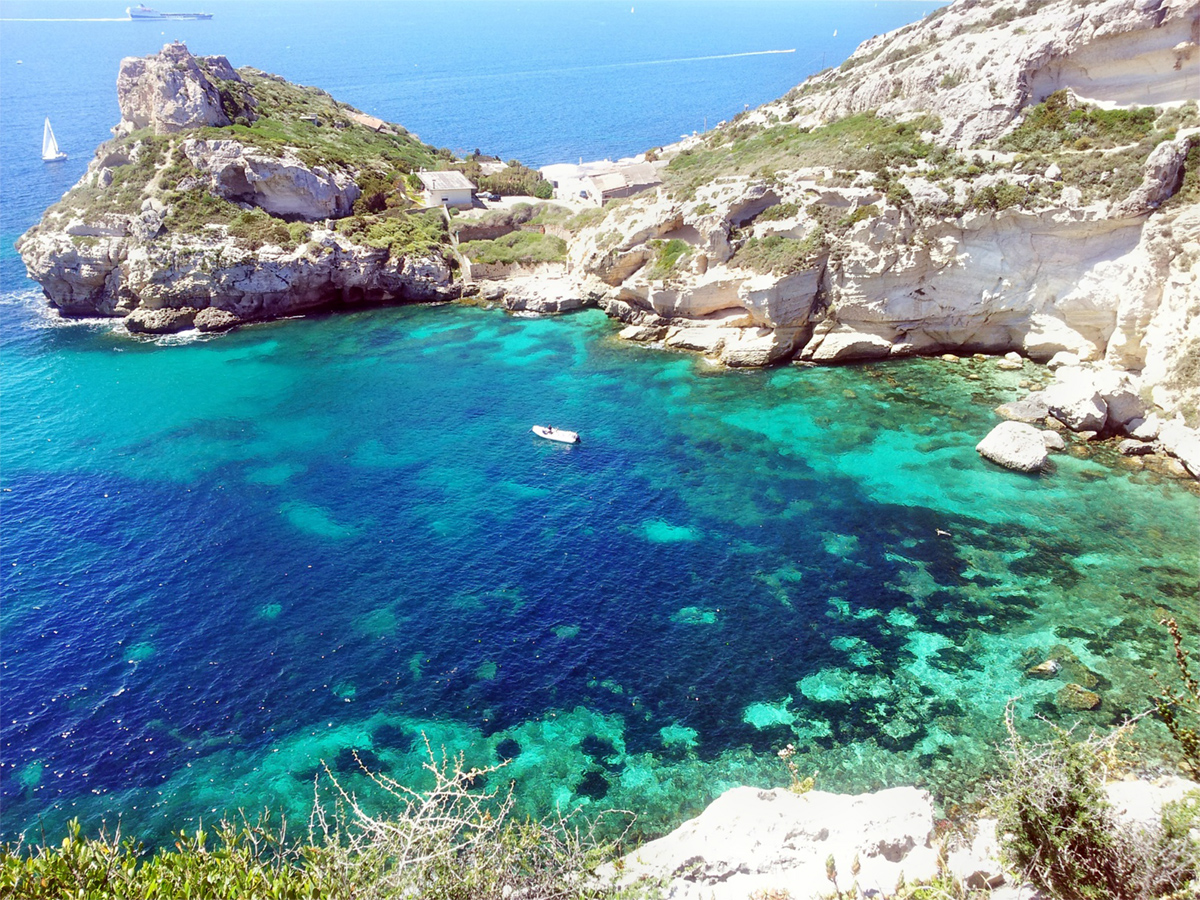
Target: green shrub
(516, 247)
(189, 211)
(453, 841)
(779, 211)
(861, 142)
(778, 254)
(1058, 829)
(1055, 122)
(667, 255)
(402, 234)
(858, 214)
(254, 228)
(998, 196)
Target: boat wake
(122, 19)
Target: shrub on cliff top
(516, 247)
(780, 255)
(401, 234)
(1057, 827)
(254, 228)
(1055, 122)
(453, 841)
(862, 142)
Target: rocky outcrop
(243, 253)
(774, 843)
(752, 842)
(976, 66)
(173, 91)
(279, 184)
(1015, 445)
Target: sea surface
(235, 566)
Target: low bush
(516, 247)
(779, 211)
(1058, 829)
(780, 255)
(998, 196)
(402, 234)
(254, 228)
(667, 255)
(1056, 123)
(451, 842)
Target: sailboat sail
(50, 151)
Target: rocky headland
(991, 179)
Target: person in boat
(549, 429)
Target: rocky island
(992, 179)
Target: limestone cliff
(232, 196)
(972, 182)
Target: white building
(447, 188)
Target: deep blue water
(230, 562)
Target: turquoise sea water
(230, 562)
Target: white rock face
(1114, 51)
(752, 840)
(1077, 404)
(281, 185)
(172, 91)
(1140, 803)
(1183, 443)
(1015, 445)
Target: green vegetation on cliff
(452, 840)
(516, 247)
(863, 142)
(320, 130)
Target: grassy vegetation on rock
(403, 235)
(516, 247)
(1056, 123)
(863, 142)
(780, 255)
(453, 841)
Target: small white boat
(50, 151)
(550, 433)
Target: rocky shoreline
(950, 227)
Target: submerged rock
(1015, 445)
(1076, 698)
(1047, 669)
(1031, 408)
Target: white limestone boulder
(1015, 445)
(847, 345)
(1077, 404)
(750, 840)
(1183, 443)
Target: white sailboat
(50, 151)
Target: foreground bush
(451, 842)
(1059, 831)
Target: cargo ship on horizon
(145, 13)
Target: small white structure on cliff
(447, 188)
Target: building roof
(637, 176)
(445, 181)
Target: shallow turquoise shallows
(234, 562)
